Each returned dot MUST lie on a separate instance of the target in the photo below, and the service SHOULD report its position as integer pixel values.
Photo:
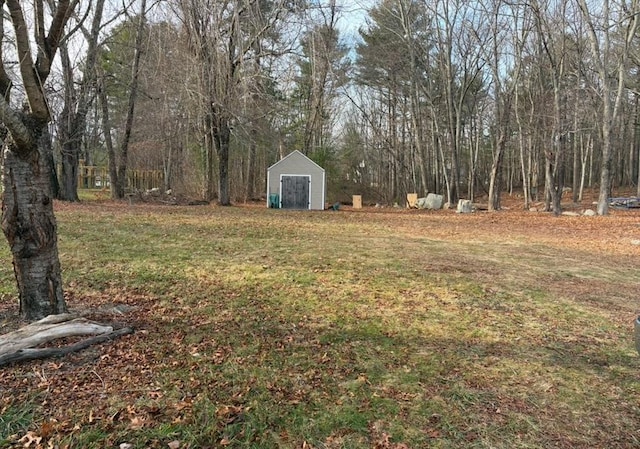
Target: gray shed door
(295, 192)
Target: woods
(462, 99)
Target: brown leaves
(381, 439)
(39, 439)
(230, 414)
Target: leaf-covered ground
(375, 328)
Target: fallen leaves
(30, 438)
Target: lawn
(373, 328)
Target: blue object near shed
(274, 201)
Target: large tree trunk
(29, 224)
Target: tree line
(467, 99)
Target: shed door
(295, 192)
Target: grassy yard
(259, 328)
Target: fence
(93, 177)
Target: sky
(354, 13)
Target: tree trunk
(108, 141)
(494, 180)
(251, 166)
(223, 138)
(69, 151)
(29, 224)
(69, 172)
(72, 125)
(123, 151)
(605, 172)
(209, 155)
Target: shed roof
(293, 154)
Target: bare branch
(32, 85)
(78, 26)
(5, 81)
(56, 32)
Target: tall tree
(553, 40)
(28, 220)
(118, 164)
(393, 65)
(505, 19)
(459, 47)
(323, 70)
(77, 103)
(610, 63)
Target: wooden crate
(412, 200)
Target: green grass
(272, 329)
(15, 420)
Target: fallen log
(23, 343)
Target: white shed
(296, 182)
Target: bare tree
(28, 221)
(118, 163)
(610, 63)
(459, 47)
(73, 119)
(505, 18)
(323, 71)
(222, 37)
(552, 37)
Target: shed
(296, 182)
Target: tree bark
(28, 221)
(495, 176)
(223, 138)
(29, 224)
